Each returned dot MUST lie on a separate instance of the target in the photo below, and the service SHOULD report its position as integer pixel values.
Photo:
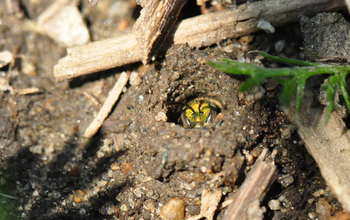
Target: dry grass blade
(253, 189)
(107, 106)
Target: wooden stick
(98, 56)
(214, 27)
(107, 106)
(199, 31)
(253, 189)
(348, 5)
(329, 145)
(155, 23)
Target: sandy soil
(143, 156)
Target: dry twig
(198, 31)
(107, 106)
(253, 189)
(98, 56)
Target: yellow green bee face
(198, 112)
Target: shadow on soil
(53, 184)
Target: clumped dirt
(184, 75)
(143, 156)
(325, 36)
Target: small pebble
(323, 209)
(28, 206)
(161, 116)
(148, 205)
(135, 79)
(149, 193)
(312, 215)
(28, 68)
(115, 166)
(108, 208)
(340, 216)
(78, 196)
(174, 209)
(60, 24)
(319, 193)
(36, 149)
(4, 84)
(175, 76)
(279, 45)
(266, 26)
(82, 211)
(54, 194)
(274, 204)
(285, 180)
(311, 200)
(124, 208)
(5, 58)
(138, 192)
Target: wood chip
(329, 145)
(112, 98)
(63, 22)
(27, 91)
(5, 58)
(209, 204)
(204, 30)
(254, 188)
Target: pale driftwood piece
(329, 145)
(156, 20)
(198, 31)
(254, 187)
(212, 28)
(98, 56)
(107, 106)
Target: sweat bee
(198, 112)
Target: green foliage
(8, 208)
(292, 78)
